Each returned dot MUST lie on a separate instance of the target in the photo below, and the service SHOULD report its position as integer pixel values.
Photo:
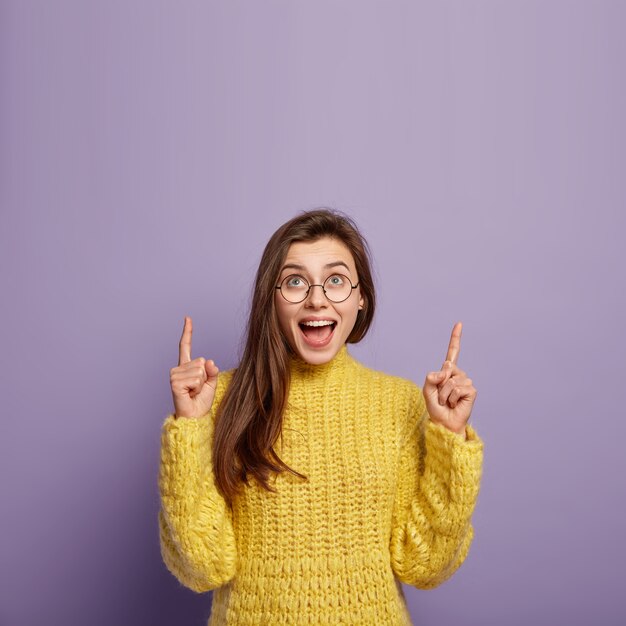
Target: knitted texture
(389, 499)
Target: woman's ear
(361, 303)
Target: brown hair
(250, 416)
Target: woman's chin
(318, 357)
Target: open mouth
(317, 333)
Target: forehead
(319, 252)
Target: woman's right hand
(193, 382)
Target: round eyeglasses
(295, 288)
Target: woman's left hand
(449, 393)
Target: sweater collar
(301, 370)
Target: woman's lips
(311, 339)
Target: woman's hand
(449, 393)
(193, 382)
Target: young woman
(302, 485)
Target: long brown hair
(250, 416)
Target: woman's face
(317, 261)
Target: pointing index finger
(184, 347)
(454, 347)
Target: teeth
(318, 323)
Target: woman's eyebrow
(296, 266)
(335, 264)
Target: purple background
(147, 152)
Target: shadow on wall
(151, 595)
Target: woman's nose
(316, 296)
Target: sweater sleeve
(437, 489)
(195, 522)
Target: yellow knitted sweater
(389, 498)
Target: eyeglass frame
(308, 291)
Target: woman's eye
(335, 280)
(295, 281)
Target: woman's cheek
(284, 322)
